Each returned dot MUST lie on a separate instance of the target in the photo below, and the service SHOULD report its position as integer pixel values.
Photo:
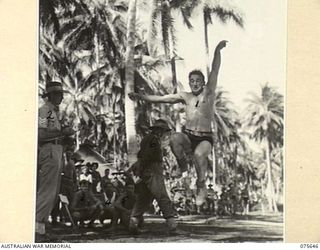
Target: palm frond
(227, 14)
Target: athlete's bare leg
(201, 154)
(181, 148)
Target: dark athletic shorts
(195, 139)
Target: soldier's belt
(54, 141)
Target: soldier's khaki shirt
(49, 117)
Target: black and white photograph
(160, 121)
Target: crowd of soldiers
(86, 196)
(93, 200)
(230, 201)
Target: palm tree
(52, 11)
(97, 35)
(261, 173)
(98, 29)
(223, 13)
(225, 132)
(264, 119)
(57, 62)
(132, 144)
(245, 164)
(162, 28)
(162, 21)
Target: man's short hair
(197, 72)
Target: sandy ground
(196, 228)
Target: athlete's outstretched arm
(213, 76)
(171, 98)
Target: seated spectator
(68, 187)
(224, 202)
(105, 179)
(119, 183)
(78, 169)
(109, 197)
(96, 177)
(85, 175)
(232, 193)
(125, 203)
(180, 206)
(177, 197)
(69, 177)
(85, 206)
(110, 193)
(189, 207)
(69, 180)
(106, 175)
(212, 198)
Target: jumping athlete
(197, 139)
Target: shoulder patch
(43, 122)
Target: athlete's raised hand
(222, 44)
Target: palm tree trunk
(172, 57)
(78, 126)
(269, 183)
(165, 28)
(100, 107)
(270, 189)
(175, 90)
(262, 195)
(167, 45)
(206, 41)
(214, 152)
(132, 144)
(152, 28)
(214, 166)
(114, 136)
(174, 75)
(277, 194)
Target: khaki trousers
(49, 176)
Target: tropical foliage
(100, 51)
(264, 119)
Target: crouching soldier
(152, 184)
(124, 204)
(85, 206)
(109, 197)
